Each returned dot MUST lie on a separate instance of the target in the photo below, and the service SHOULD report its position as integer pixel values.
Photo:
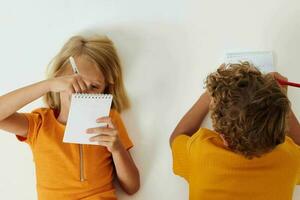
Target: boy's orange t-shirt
(57, 164)
(214, 172)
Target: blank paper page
(84, 110)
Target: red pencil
(283, 82)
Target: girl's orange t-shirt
(60, 166)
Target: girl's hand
(70, 84)
(107, 136)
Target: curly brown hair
(248, 108)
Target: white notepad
(84, 110)
(263, 60)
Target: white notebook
(263, 60)
(84, 110)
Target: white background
(167, 48)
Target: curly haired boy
(252, 151)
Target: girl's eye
(94, 87)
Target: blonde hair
(101, 50)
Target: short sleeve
(34, 123)
(180, 153)
(298, 178)
(126, 141)
(298, 174)
(295, 148)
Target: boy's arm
(193, 119)
(11, 102)
(293, 123)
(294, 128)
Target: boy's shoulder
(203, 136)
(289, 142)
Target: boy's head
(248, 108)
(97, 60)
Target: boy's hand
(70, 84)
(276, 75)
(107, 136)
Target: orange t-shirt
(214, 172)
(60, 166)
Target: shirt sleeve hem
(29, 131)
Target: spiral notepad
(84, 110)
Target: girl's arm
(14, 122)
(193, 119)
(127, 172)
(10, 103)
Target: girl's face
(88, 69)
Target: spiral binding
(92, 96)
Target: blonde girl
(73, 171)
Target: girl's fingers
(102, 130)
(82, 85)
(103, 119)
(76, 87)
(105, 144)
(102, 138)
(99, 129)
(86, 81)
(106, 120)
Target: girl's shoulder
(115, 116)
(114, 113)
(43, 112)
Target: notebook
(84, 110)
(263, 60)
